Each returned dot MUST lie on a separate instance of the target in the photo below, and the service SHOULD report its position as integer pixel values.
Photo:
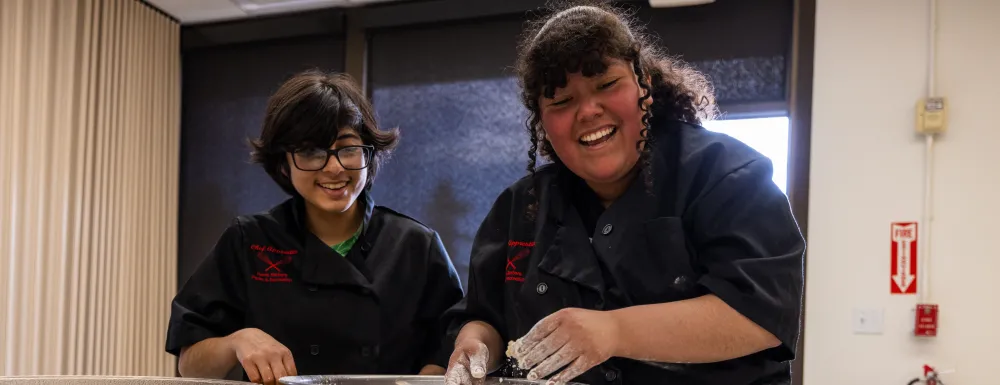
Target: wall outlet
(868, 320)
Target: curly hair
(309, 110)
(582, 36)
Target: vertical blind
(89, 135)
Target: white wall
(867, 170)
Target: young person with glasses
(326, 282)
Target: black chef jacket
(712, 222)
(375, 311)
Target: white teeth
(597, 135)
(333, 186)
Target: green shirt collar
(344, 247)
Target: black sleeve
(443, 290)
(212, 302)
(485, 298)
(751, 249)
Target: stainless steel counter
(393, 380)
(110, 380)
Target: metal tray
(393, 380)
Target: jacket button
(680, 281)
(542, 288)
(367, 351)
(313, 288)
(607, 230)
(611, 375)
(314, 350)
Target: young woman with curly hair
(650, 250)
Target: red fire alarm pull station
(927, 321)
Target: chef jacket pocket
(670, 260)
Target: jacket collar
(319, 264)
(570, 254)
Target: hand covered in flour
(579, 338)
(467, 365)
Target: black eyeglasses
(349, 157)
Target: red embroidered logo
(523, 250)
(272, 263)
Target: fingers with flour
(576, 369)
(458, 374)
(536, 335)
(478, 360)
(551, 363)
(573, 340)
(468, 364)
(543, 350)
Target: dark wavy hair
(573, 36)
(309, 110)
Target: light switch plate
(868, 320)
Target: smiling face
(594, 123)
(332, 189)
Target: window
(769, 136)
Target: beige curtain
(89, 136)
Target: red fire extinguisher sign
(903, 271)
